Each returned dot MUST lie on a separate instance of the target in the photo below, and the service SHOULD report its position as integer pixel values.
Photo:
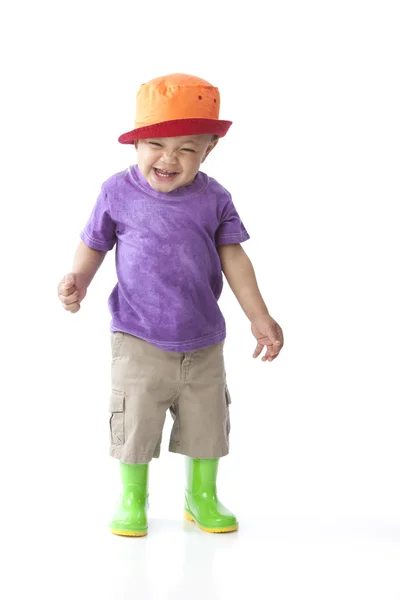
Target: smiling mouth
(163, 174)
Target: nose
(168, 157)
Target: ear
(209, 148)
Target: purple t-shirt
(168, 268)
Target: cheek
(149, 158)
(193, 162)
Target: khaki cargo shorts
(147, 381)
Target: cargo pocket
(228, 402)
(117, 419)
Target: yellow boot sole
(129, 533)
(189, 517)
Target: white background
(312, 161)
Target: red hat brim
(176, 127)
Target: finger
(65, 291)
(274, 341)
(277, 347)
(275, 337)
(271, 353)
(72, 307)
(67, 283)
(69, 299)
(268, 358)
(258, 350)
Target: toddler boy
(176, 231)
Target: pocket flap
(117, 401)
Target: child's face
(170, 163)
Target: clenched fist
(71, 292)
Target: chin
(165, 187)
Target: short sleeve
(99, 232)
(231, 229)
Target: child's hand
(71, 293)
(267, 333)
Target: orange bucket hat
(176, 105)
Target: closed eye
(187, 149)
(155, 144)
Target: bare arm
(73, 287)
(86, 264)
(240, 275)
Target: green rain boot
(201, 503)
(130, 518)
